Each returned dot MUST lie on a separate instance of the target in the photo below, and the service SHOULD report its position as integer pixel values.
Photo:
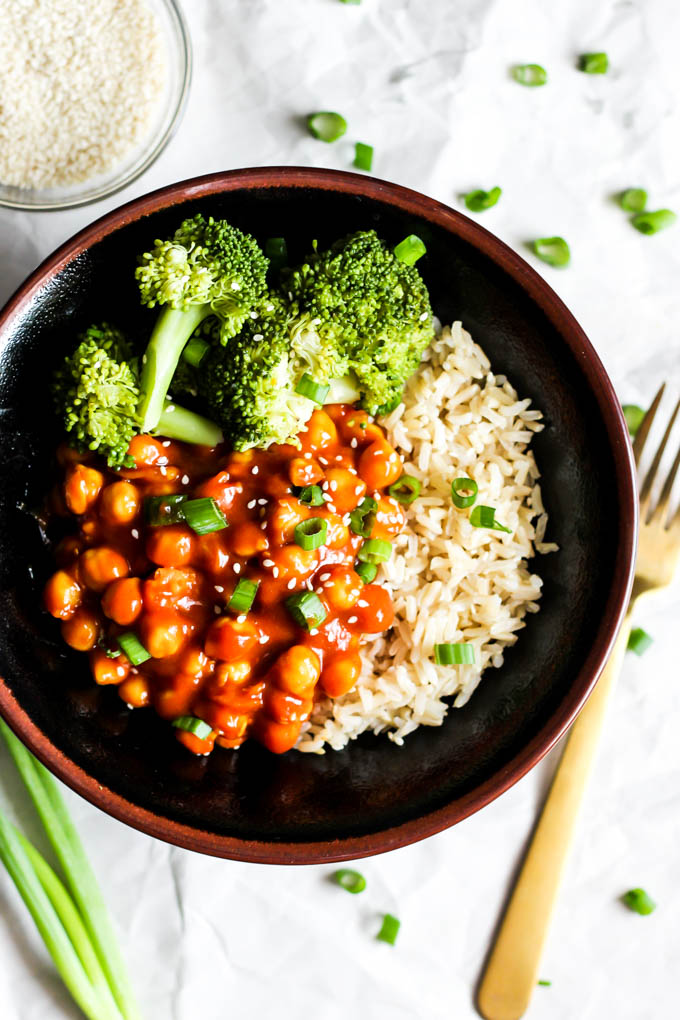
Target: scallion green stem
(326, 125)
(653, 222)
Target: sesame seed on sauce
(242, 618)
(252, 504)
(362, 603)
(185, 479)
(354, 443)
(218, 587)
(291, 584)
(275, 572)
(267, 563)
(264, 639)
(263, 502)
(339, 456)
(236, 568)
(325, 486)
(166, 443)
(322, 460)
(353, 619)
(307, 456)
(134, 533)
(163, 470)
(254, 470)
(333, 485)
(358, 490)
(325, 577)
(314, 631)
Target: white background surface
(426, 82)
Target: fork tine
(646, 424)
(664, 499)
(646, 490)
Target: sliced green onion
(389, 929)
(460, 654)
(478, 201)
(362, 518)
(194, 351)
(639, 901)
(243, 595)
(593, 63)
(366, 571)
(191, 724)
(544, 984)
(312, 390)
(363, 156)
(307, 609)
(405, 490)
(312, 495)
(464, 492)
(276, 250)
(485, 517)
(326, 126)
(553, 250)
(410, 250)
(162, 510)
(204, 516)
(312, 533)
(350, 880)
(133, 648)
(633, 200)
(633, 415)
(356, 2)
(639, 641)
(530, 74)
(653, 222)
(376, 550)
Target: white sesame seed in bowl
(74, 130)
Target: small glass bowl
(134, 163)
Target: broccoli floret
(96, 393)
(359, 298)
(206, 268)
(250, 385)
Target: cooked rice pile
(449, 580)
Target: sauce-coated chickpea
(81, 630)
(283, 518)
(176, 697)
(319, 433)
(380, 465)
(297, 670)
(161, 633)
(107, 670)
(233, 674)
(343, 589)
(286, 708)
(170, 546)
(135, 692)
(147, 451)
(82, 487)
(376, 613)
(345, 489)
(120, 503)
(222, 488)
(227, 719)
(247, 539)
(229, 640)
(354, 423)
(277, 737)
(337, 532)
(122, 600)
(62, 595)
(305, 471)
(340, 674)
(197, 745)
(99, 566)
(292, 562)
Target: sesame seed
(163, 470)
(325, 577)
(258, 337)
(134, 533)
(252, 504)
(242, 618)
(267, 563)
(216, 610)
(339, 456)
(275, 572)
(170, 408)
(291, 584)
(166, 443)
(218, 587)
(353, 619)
(237, 568)
(358, 490)
(263, 502)
(322, 460)
(307, 456)
(314, 631)
(254, 470)
(354, 443)
(333, 485)
(264, 639)
(362, 603)
(324, 486)
(162, 460)
(185, 479)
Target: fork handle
(512, 969)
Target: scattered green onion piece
(593, 63)
(194, 351)
(639, 901)
(544, 984)
(326, 126)
(478, 201)
(366, 571)
(633, 415)
(553, 250)
(191, 724)
(312, 533)
(410, 250)
(312, 390)
(405, 490)
(653, 222)
(362, 518)
(462, 485)
(485, 517)
(133, 648)
(389, 929)
(363, 156)
(376, 550)
(633, 200)
(204, 516)
(307, 609)
(350, 880)
(243, 595)
(530, 74)
(355, 2)
(639, 641)
(312, 495)
(162, 510)
(460, 654)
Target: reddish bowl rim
(412, 202)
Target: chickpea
(355, 424)
(147, 451)
(222, 488)
(296, 671)
(197, 745)
(82, 487)
(229, 640)
(176, 697)
(81, 630)
(120, 503)
(194, 662)
(168, 585)
(247, 539)
(319, 434)
(292, 562)
(212, 551)
(380, 465)
(340, 674)
(345, 490)
(283, 518)
(286, 708)
(107, 670)
(170, 546)
(122, 600)
(240, 464)
(277, 737)
(99, 566)
(62, 595)
(337, 534)
(390, 518)
(232, 674)
(161, 633)
(377, 613)
(135, 692)
(303, 471)
(343, 589)
(227, 719)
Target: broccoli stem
(170, 335)
(178, 423)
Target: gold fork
(511, 971)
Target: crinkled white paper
(426, 82)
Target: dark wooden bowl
(373, 796)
